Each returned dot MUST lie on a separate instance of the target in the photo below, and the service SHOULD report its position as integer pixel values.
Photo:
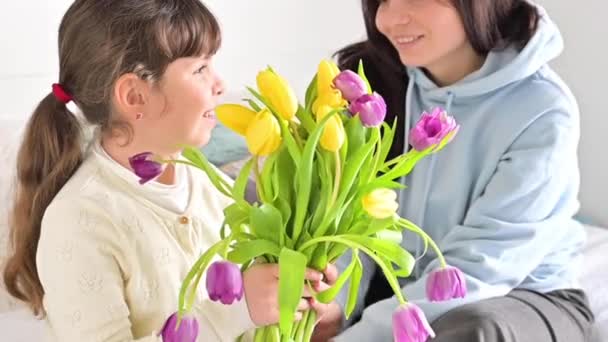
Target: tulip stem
(414, 228)
(309, 328)
(337, 179)
(258, 179)
(294, 127)
(374, 171)
(398, 159)
(300, 330)
(260, 334)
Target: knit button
(184, 220)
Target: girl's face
(181, 106)
(427, 33)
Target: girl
(99, 254)
(500, 198)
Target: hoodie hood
(501, 67)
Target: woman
(500, 199)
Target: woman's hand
(329, 315)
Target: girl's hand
(261, 283)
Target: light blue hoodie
(499, 199)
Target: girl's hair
(99, 40)
(489, 24)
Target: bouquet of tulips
(325, 187)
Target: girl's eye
(201, 69)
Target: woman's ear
(131, 94)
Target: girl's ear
(131, 94)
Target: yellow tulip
(235, 117)
(277, 91)
(380, 203)
(333, 135)
(332, 98)
(263, 135)
(326, 73)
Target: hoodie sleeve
(525, 209)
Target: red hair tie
(60, 94)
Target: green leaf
(319, 257)
(287, 170)
(378, 183)
(325, 176)
(285, 210)
(330, 294)
(391, 251)
(292, 269)
(196, 157)
(311, 90)
(388, 134)
(372, 164)
(361, 73)
(346, 219)
(266, 177)
(266, 222)
(335, 252)
(188, 289)
(404, 166)
(311, 93)
(376, 225)
(359, 228)
(303, 239)
(353, 289)
(249, 250)
(351, 170)
(390, 235)
(240, 184)
(355, 133)
(306, 119)
(260, 97)
(253, 105)
(290, 142)
(304, 176)
(235, 215)
(373, 254)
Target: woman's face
(427, 33)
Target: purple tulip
(371, 109)
(351, 85)
(145, 168)
(410, 324)
(224, 282)
(432, 129)
(445, 284)
(186, 332)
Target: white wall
(584, 65)
(281, 33)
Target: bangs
(192, 32)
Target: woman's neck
(455, 66)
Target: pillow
(225, 146)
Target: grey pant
(521, 316)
